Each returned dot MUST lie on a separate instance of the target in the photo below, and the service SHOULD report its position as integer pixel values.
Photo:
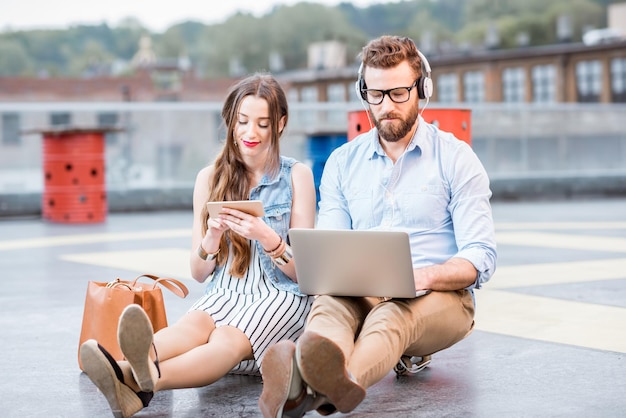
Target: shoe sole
(322, 366)
(122, 400)
(135, 336)
(280, 360)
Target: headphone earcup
(420, 88)
(424, 88)
(361, 86)
(428, 87)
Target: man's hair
(389, 51)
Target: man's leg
(333, 322)
(338, 319)
(419, 326)
(326, 345)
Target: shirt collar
(419, 138)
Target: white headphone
(424, 83)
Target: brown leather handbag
(105, 302)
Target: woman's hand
(249, 227)
(211, 240)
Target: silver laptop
(353, 262)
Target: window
(448, 88)
(308, 94)
(336, 93)
(474, 86)
(513, 85)
(589, 81)
(11, 129)
(353, 96)
(618, 80)
(292, 95)
(60, 118)
(544, 80)
(109, 120)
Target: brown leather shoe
(280, 379)
(284, 393)
(135, 336)
(322, 366)
(106, 374)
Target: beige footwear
(135, 336)
(106, 374)
(284, 393)
(322, 366)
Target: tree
(294, 28)
(246, 42)
(93, 60)
(14, 60)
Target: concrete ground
(550, 339)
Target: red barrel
(74, 178)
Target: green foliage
(13, 58)
(536, 18)
(244, 43)
(286, 30)
(295, 27)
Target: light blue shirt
(437, 191)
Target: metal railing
(163, 145)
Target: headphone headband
(424, 83)
(425, 63)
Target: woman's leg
(204, 364)
(192, 330)
(191, 353)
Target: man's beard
(391, 133)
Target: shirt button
(424, 188)
(279, 217)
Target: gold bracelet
(284, 258)
(277, 247)
(279, 250)
(207, 256)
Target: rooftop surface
(550, 337)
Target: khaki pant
(373, 335)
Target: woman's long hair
(231, 178)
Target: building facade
(563, 73)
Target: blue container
(319, 148)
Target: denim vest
(276, 195)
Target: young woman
(252, 299)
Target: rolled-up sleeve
(472, 215)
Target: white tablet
(252, 207)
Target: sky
(156, 15)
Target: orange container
(358, 123)
(81, 204)
(74, 178)
(455, 121)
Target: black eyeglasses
(397, 95)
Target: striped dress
(252, 304)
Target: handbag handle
(173, 285)
(117, 282)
